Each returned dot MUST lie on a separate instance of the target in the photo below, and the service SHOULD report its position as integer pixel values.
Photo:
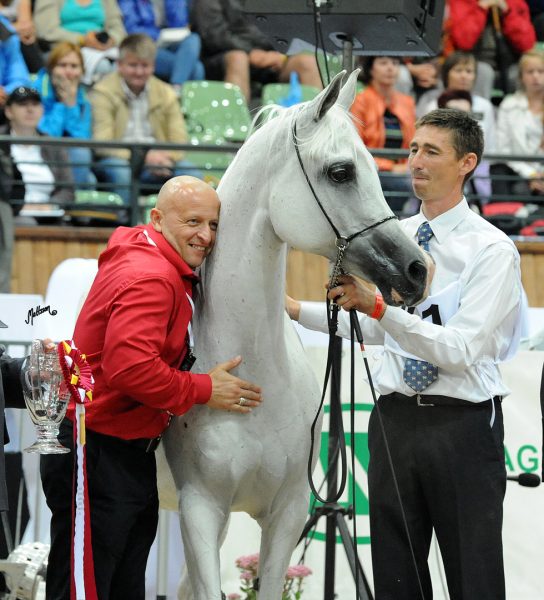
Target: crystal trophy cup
(46, 397)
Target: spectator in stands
(67, 111)
(131, 105)
(19, 13)
(13, 73)
(236, 51)
(386, 118)
(95, 25)
(32, 174)
(495, 31)
(520, 130)
(167, 22)
(478, 188)
(418, 75)
(459, 73)
(536, 8)
(13, 69)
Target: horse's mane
(330, 136)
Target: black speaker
(376, 27)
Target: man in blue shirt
(13, 73)
(13, 69)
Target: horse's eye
(341, 172)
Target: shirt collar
(130, 94)
(445, 223)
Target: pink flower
(234, 596)
(247, 575)
(298, 571)
(251, 561)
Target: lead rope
(340, 449)
(342, 244)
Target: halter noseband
(342, 242)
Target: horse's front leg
(203, 522)
(281, 531)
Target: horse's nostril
(417, 271)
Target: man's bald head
(180, 189)
(187, 214)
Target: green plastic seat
(91, 206)
(98, 198)
(215, 111)
(274, 92)
(212, 164)
(146, 203)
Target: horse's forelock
(331, 135)
(334, 134)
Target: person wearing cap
(38, 174)
(29, 174)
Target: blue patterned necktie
(419, 374)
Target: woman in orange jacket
(386, 118)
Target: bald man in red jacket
(135, 331)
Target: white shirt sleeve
(482, 327)
(314, 316)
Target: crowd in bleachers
(117, 70)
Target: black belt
(436, 400)
(145, 444)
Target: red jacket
(369, 108)
(467, 21)
(133, 329)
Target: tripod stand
(336, 514)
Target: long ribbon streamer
(79, 380)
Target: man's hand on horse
(230, 392)
(292, 307)
(351, 293)
(358, 294)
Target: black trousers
(449, 463)
(124, 506)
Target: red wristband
(378, 307)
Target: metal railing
(138, 150)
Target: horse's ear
(316, 109)
(347, 93)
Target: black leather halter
(342, 242)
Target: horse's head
(329, 188)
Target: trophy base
(52, 447)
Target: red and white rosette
(80, 382)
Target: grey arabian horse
(297, 179)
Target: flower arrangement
(249, 565)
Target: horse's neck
(244, 280)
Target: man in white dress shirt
(439, 381)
